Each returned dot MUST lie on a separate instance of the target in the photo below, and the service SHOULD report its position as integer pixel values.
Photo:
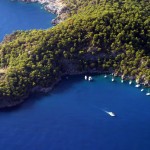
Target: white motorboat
(112, 79)
(110, 113)
(105, 76)
(148, 93)
(122, 81)
(130, 82)
(85, 77)
(90, 78)
(137, 85)
(142, 90)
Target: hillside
(106, 36)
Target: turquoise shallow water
(72, 117)
(20, 16)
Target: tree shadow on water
(64, 85)
(67, 83)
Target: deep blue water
(20, 16)
(72, 117)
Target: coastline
(70, 70)
(57, 7)
(8, 103)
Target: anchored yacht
(90, 78)
(105, 76)
(85, 77)
(112, 79)
(137, 85)
(130, 82)
(148, 93)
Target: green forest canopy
(104, 35)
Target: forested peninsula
(96, 36)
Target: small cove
(72, 116)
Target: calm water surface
(20, 16)
(72, 117)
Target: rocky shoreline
(57, 7)
(8, 103)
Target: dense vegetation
(106, 36)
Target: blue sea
(73, 116)
(22, 16)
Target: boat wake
(110, 113)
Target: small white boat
(142, 90)
(90, 78)
(122, 81)
(105, 76)
(85, 77)
(148, 93)
(130, 82)
(110, 113)
(112, 79)
(137, 85)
